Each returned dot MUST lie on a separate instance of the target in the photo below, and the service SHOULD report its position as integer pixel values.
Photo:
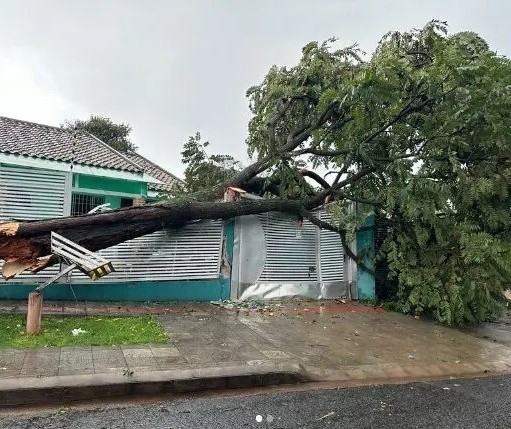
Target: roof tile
(168, 179)
(44, 141)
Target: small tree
(203, 170)
(113, 134)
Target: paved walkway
(332, 341)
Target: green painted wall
(115, 202)
(106, 184)
(365, 244)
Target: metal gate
(30, 194)
(276, 257)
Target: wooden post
(34, 310)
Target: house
(48, 172)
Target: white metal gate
(29, 194)
(291, 249)
(276, 257)
(331, 253)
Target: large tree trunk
(26, 245)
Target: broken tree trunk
(26, 245)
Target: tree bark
(26, 245)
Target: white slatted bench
(76, 256)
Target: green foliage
(114, 135)
(420, 131)
(417, 134)
(392, 305)
(203, 170)
(98, 330)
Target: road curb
(397, 373)
(16, 392)
(27, 391)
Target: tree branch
(320, 196)
(342, 233)
(315, 176)
(328, 153)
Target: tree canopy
(417, 134)
(113, 134)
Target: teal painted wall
(206, 290)
(115, 202)
(365, 244)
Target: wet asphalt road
(478, 403)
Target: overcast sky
(170, 68)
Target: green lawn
(99, 330)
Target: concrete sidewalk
(215, 347)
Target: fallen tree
(26, 245)
(415, 134)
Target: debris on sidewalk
(248, 305)
(330, 414)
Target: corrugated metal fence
(29, 194)
(191, 253)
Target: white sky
(170, 68)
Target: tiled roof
(44, 141)
(168, 179)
